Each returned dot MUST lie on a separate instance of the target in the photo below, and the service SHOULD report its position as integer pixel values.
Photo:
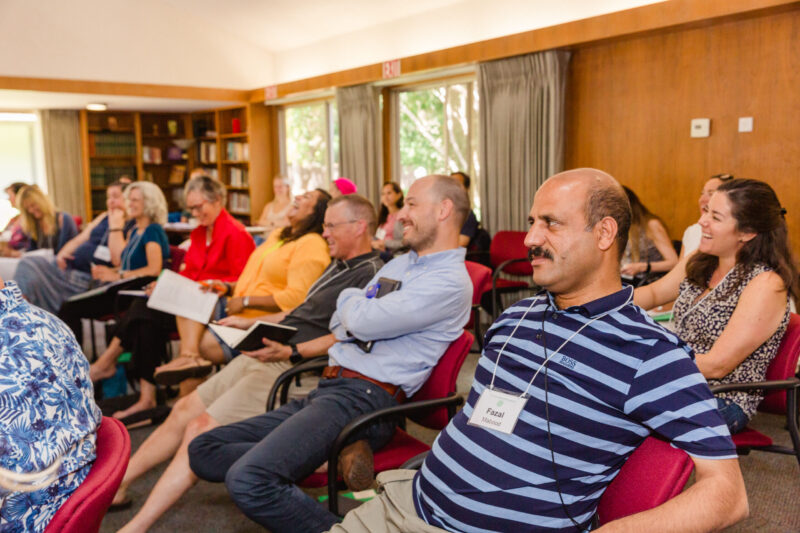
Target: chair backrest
(442, 382)
(510, 245)
(481, 277)
(176, 255)
(85, 508)
(783, 366)
(654, 473)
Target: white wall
(462, 23)
(140, 41)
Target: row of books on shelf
(207, 152)
(237, 151)
(238, 177)
(239, 202)
(112, 144)
(102, 176)
(153, 154)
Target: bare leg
(163, 442)
(176, 480)
(210, 350)
(106, 364)
(147, 400)
(190, 332)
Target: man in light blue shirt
(386, 345)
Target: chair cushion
(400, 449)
(507, 284)
(750, 438)
(85, 508)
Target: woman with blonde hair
(45, 227)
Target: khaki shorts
(240, 389)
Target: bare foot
(98, 371)
(120, 496)
(141, 405)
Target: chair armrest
(782, 384)
(501, 266)
(284, 380)
(359, 422)
(415, 462)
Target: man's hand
(61, 260)
(235, 306)
(271, 352)
(103, 273)
(236, 322)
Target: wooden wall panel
(630, 104)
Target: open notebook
(250, 339)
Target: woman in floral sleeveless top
(732, 304)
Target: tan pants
(240, 389)
(392, 511)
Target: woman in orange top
(276, 278)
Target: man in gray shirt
(240, 390)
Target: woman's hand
(236, 322)
(116, 219)
(214, 285)
(235, 306)
(631, 269)
(62, 258)
(103, 273)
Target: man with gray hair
(240, 390)
(570, 382)
(385, 347)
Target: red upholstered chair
(432, 406)
(78, 221)
(654, 473)
(176, 255)
(481, 277)
(86, 507)
(509, 256)
(782, 389)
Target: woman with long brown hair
(649, 249)
(732, 304)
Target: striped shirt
(618, 379)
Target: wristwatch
(295, 357)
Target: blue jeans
(732, 414)
(261, 458)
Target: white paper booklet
(180, 296)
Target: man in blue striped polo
(569, 384)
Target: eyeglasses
(329, 226)
(193, 208)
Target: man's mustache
(538, 251)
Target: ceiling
(241, 44)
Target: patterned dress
(700, 323)
(47, 410)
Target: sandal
(193, 368)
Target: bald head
(603, 197)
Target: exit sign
(391, 69)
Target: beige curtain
(522, 133)
(360, 148)
(62, 159)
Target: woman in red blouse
(219, 249)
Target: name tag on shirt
(497, 410)
(102, 253)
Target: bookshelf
(230, 144)
(223, 140)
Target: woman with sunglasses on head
(732, 304)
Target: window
(310, 145)
(20, 156)
(437, 133)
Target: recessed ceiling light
(96, 107)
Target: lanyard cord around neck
(548, 357)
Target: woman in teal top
(146, 249)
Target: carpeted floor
(773, 487)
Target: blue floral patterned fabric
(47, 410)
